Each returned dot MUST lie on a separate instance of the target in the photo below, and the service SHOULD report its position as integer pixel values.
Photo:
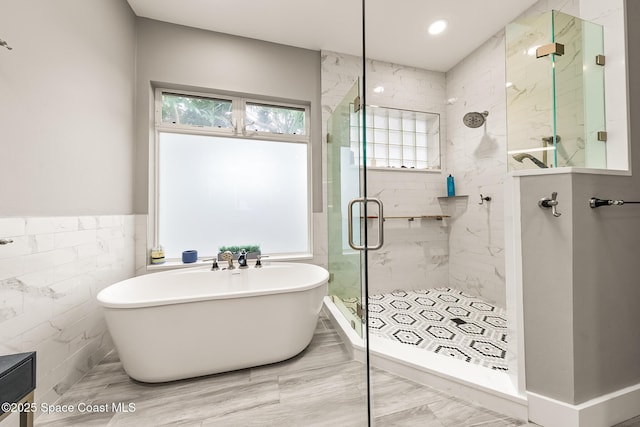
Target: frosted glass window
(218, 191)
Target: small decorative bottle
(157, 255)
(451, 188)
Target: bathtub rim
(107, 301)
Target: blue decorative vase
(189, 256)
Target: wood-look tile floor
(321, 386)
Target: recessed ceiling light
(378, 89)
(437, 27)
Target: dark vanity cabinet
(17, 386)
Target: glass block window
(401, 139)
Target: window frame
(238, 130)
(179, 128)
(373, 145)
(271, 135)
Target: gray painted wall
(581, 278)
(66, 109)
(606, 283)
(66, 158)
(547, 272)
(173, 55)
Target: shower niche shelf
(411, 217)
(453, 206)
(452, 197)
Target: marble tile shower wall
(477, 160)
(466, 251)
(415, 254)
(49, 278)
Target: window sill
(175, 263)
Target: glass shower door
(344, 184)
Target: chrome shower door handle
(380, 223)
(350, 224)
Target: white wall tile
(87, 222)
(10, 227)
(20, 246)
(477, 161)
(49, 278)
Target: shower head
(474, 119)
(521, 156)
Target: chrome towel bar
(594, 202)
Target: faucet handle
(552, 203)
(258, 258)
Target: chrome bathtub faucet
(242, 259)
(228, 256)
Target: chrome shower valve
(552, 203)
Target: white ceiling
(396, 30)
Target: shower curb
(491, 389)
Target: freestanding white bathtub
(190, 322)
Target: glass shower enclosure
(347, 212)
(350, 212)
(555, 92)
(345, 183)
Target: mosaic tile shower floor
(445, 321)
